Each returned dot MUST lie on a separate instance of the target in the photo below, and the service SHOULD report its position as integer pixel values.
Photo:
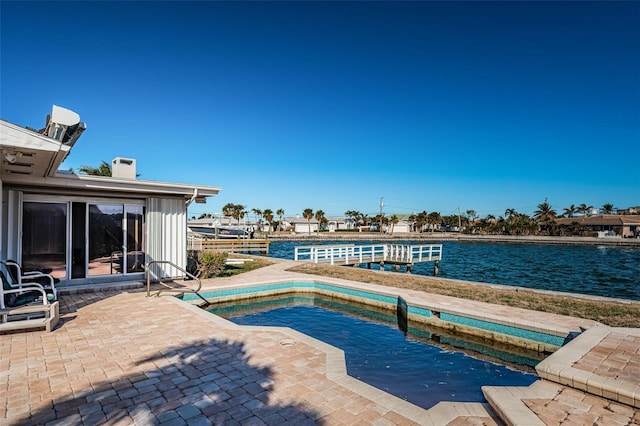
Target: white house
(86, 229)
(340, 224)
(300, 225)
(402, 227)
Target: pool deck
(118, 357)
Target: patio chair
(39, 279)
(13, 296)
(26, 307)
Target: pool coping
(572, 404)
(457, 312)
(515, 410)
(336, 369)
(565, 367)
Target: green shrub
(193, 265)
(206, 264)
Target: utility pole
(381, 206)
(459, 221)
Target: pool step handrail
(178, 290)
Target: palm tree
(258, 214)
(607, 208)
(240, 212)
(228, 210)
(509, 213)
(544, 213)
(320, 218)
(235, 211)
(583, 209)
(421, 220)
(379, 218)
(268, 216)
(472, 215)
(353, 215)
(412, 219)
(510, 220)
(569, 211)
(280, 213)
(308, 214)
(104, 169)
(393, 220)
(434, 219)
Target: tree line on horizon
(543, 220)
(512, 222)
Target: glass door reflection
(106, 239)
(44, 238)
(135, 232)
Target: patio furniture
(26, 307)
(19, 278)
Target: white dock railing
(349, 254)
(414, 253)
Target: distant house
(340, 224)
(628, 211)
(337, 224)
(300, 225)
(626, 226)
(86, 229)
(402, 227)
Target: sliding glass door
(44, 238)
(106, 239)
(134, 227)
(77, 239)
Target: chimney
(123, 168)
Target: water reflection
(425, 365)
(594, 270)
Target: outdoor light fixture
(10, 157)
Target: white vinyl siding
(166, 235)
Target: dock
(351, 254)
(229, 245)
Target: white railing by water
(414, 253)
(350, 254)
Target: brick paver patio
(118, 357)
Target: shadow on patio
(210, 381)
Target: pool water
(416, 366)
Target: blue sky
(332, 105)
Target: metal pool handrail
(180, 290)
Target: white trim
(103, 184)
(88, 200)
(14, 225)
(23, 138)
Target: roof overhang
(603, 219)
(26, 153)
(29, 162)
(87, 184)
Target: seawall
(452, 236)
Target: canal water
(595, 270)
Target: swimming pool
(526, 334)
(422, 365)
